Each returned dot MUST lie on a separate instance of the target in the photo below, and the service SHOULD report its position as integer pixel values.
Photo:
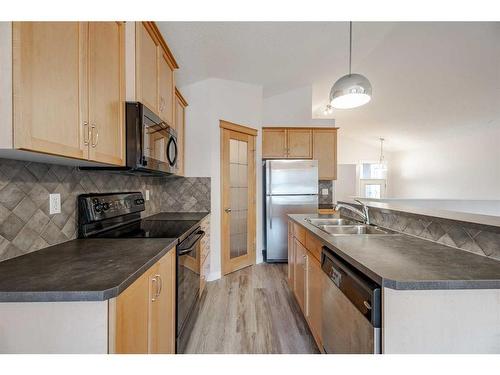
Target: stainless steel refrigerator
(291, 187)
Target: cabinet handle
(95, 140)
(154, 281)
(85, 133)
(160, 285)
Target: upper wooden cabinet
(106, 92)
(147, 66)
(155, 65)
(180, 127)
(68, 89)
(274, 143)
(299, 143)
(49, 61)
(325, 151)
(303, 143)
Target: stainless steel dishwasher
(351, 309)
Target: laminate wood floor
(251, 311)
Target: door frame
(252, 214)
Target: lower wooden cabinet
(143, 320)
(300, 284)
(314, 297)
(291, 256)
(162, 306)
(305, 276)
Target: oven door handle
(200, 234)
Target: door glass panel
(238, 170)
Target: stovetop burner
(118, 215)
(149, 229)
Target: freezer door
(291, 177)
(277, 209)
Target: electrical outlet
(147, 195)
(54, 204)
(324, 191)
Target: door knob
(228, 210)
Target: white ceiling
(430, 80)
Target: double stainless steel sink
(342, 227)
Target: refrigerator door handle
(270, 212)
(270, 171)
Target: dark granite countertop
(399, 261)
(91, 269)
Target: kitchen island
(435, 298)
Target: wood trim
(156, 34)
(237, 128)
(299, 127)
(181, 98)
(229, 265)
(6, 116)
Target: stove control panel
(96, 207)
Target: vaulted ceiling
(430, 80)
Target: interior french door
(238, 196)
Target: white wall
(464, 166)
(292, 108)
(210, 101)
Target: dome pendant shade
(350, 91)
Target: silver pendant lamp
(351, 90)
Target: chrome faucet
(364, 214)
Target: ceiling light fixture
(351, 90)
(382, 162)
(328, 110)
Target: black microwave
(151, 145)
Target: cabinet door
(49, 90)
(180, 127)
(291, 255)
(299, 143)
(146, 74)
(325, 151)
(106, 92)
(314, 296)
(132, 307)
(274, 143)
(166, 91)
(162, 297)
(300, 285)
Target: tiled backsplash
(25, 223)
(325, 199)
(476, 238)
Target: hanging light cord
(381, 151)
(350, 45)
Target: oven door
(188, 286)
(159, 145)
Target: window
(372, 181)
(373, 170)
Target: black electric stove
(118, 215)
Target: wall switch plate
(324, 191)
(147, 195)
(54, 204)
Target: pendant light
(351, 90)
(382, 162)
